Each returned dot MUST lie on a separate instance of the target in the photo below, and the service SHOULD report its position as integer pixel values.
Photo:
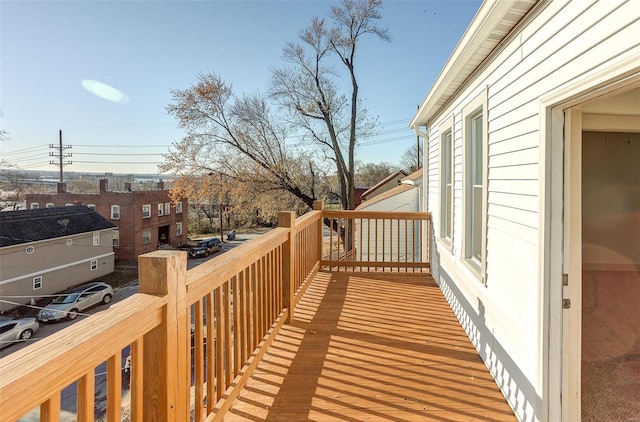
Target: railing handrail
(408, 215)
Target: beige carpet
(610, 346)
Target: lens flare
(105, 91)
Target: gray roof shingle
(24, 226)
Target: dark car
(205, 247)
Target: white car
(13, 330)
(68, 304)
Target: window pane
(477, 150)
(476, 223)
(448, 210)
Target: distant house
(146, 220)
(392, 196)
(395, 193)
(532, 148)
(384, 185)
(46, 250)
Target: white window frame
(116, 238)
(179, 228)
(447, 181)
(94, 264)
(167, 208)
(91, 206)
(146, 211)
(474, 239)
(146, 236)
(49, 205)
(37, 283)
(179, 207)
(34, 206)
(160, 209)
(115, 212)
(96, 238)
(69, 204)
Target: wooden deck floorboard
(371, 347)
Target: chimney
(127, 186)
(160, 185)
(62, 188)
(103, 185)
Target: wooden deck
(371, 347)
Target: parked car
(205, 247)
(68, 304)
(13, 330)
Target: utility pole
(418, 144)
(60, 155)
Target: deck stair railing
(194, 337)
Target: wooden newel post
(165, 355)
(287, 219)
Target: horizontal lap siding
(563, 43)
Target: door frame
(560, 245)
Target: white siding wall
(563, 43)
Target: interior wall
(611, 201)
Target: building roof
(385, 195)
(25, 226)
(406, 184)
(397, 175)
(486, 33)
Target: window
(178, 207)
(92, 207)
(37, 283)
(116, 238)
(474, 163)
(94, 264)
(69, 204)
(146, 211)
(115, 212)
(160, 209)
(446, 186)
(96, 239)
(179, 229)
(146, 236)
(167, 208)
(49, 205)
(35, 206)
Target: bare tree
(369, 174)
(411, 158)
(239, 138)
(309, 90)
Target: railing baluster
(136, 374)
(50, 409)
(237, 342)
(228, 356)
(198, 365)
(219, 344)
(85, 397)
(114, 391)
(212, 323)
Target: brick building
(146, 220)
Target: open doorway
(601, 329)
(611, 276)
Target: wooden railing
(196, 336)
(376, 241)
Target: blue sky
(146, 48)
